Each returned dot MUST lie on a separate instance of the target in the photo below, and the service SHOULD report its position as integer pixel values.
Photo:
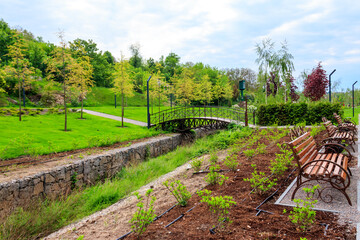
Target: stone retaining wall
(61, 180)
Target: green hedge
(294, 113)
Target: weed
(144, 215)
(302, 215)
(196, 164)
(219, 205)
(213, 158)
(179, 191)
(73, 180)
(260, 182)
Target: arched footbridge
(186, 118)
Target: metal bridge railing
(208, 112)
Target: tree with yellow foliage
(184, 87)
(19, 66)
(203, 90)
(123, 83)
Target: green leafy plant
(261, 149)
(144, 215)
(196, 164)
(231, 162)
(250, 153)
(284, 159)
(302, 215)
(213, 177)
(179, 191)
(218, 205)
(213, 157)
(260, 182)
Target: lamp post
(242, 88)
(330, 84)
(353, 97)
(148, 107)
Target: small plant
(231, 162)
(302, 215)
(284, 159)
(250, 153)
(196, 164)
(213, 177)
(213, 158)
(219, 205)
(179, 191)
(260, 182)
(144, 215)
(73, 180)
(261, 149)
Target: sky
(221, 33)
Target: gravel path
(142, 124)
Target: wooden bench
(324, 166)
(347, 124)
(337, 136)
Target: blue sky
(219, 33)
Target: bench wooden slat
(310, 155)
(324, 165)
(302, 145)
(299, 139)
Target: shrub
(179, 191)
(302, 215)
(231, 162)
(260, 182)
(213, 158)
(294, 113)
(214, 177)
(144, 215)
(219, 205)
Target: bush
(294, 113)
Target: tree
(64, 67)
(203, 90)
(184, 87)
(2, 80)
(293, 95)
(171, 65)
(83, 70)
(157, 87)
(264, 50)
(123, 83)
(316, 84)
(136, 59)
(223, 89)
(19, 66)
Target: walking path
(142, 124)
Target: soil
(247, 221)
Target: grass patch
(48, 216)
(135, 113)
(43, 134)
(348, 113)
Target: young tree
(316, 84)
(63, 66)
(123, 83)
(158, 88)
(19, 66)
(83, 71)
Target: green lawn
(348, 113)
(43, 134)
(135, 113)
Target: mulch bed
(271, 223)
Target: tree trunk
(65, 109)
(122, 109)
(20, 86)
(82, 107)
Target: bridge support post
(246, 113)
(148, 103)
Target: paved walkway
(142, 124)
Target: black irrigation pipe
(179, 217)
(221, 170)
